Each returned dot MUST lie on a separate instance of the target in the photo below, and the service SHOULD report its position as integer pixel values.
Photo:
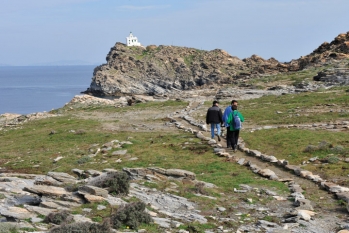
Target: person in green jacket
(233, 134)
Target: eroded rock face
(136, 70)
(326, 53)
(333, 76)
(158, 70)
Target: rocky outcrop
(326, 53)
(333, 76)
(163, 69)
(159, 70)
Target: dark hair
(233, 101)
(215, 102)
(234, 107)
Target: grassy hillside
(285, 126)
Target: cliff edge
(157, 70)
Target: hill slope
(162, 69)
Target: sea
(31, 89)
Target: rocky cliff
(325, 54)
(157, 70)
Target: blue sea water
(29, 89)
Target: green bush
(338, 149)
(333, 159)
(310, 148)
(59, 218)
(130, 215)
(8, 228)
(324, 145)
(194, 229)
(83, 227)
(83, 160)
(116, 182)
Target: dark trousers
(228, 142)
(232, 138)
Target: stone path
(25, 196)
(272, 168)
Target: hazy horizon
(83, 31)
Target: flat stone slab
(119, 152)
(92, 198)
(16, 212)
(67, 204)
(39, 210)
(62, 177)
(52, 205)
(88, 189)
(46, 190)
(47, 180)
(80, 218)
(343, 196)
(14, 184)
(165, 223)
(115, 201)
(171, 205)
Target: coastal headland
(143, 161)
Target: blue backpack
(236, 121)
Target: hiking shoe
(219, 138)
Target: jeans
(213, 126)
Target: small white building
(132, 40)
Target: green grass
(290, 144)
(188, 60)
(111, 109)
(166, 150)
(300, 108)
(95, 215)
(31, 144)
(287, 78)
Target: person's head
(234, 102)
(234, 107)
(215, 102)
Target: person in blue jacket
(226, 113)
(233, 134)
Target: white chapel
(132, 40)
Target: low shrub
(130, 215)
(59, 218)
(116, 182)
(83, 160)
(8, 228)
(85, 227)
(324, 145)
(193, 229)
(80, 132)
(72, 187)
(338, 149)
(200, 188)
(333, 159)
(310, 148)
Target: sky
(39, 32)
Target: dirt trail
(330, 213)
